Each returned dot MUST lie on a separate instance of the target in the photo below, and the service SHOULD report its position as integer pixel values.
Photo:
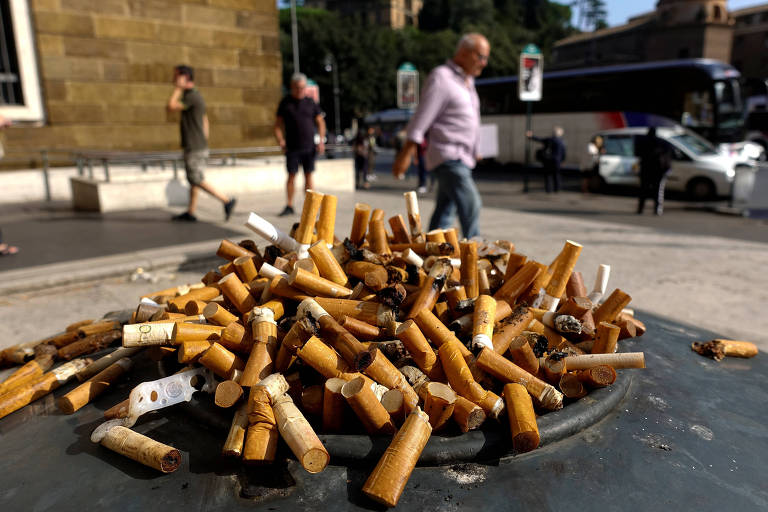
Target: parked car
(697, 167)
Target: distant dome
(678, 12)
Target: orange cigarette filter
(325, 360)
(334, 405)
(327, 264)
(439, 400)
(93, 387)
(522, 355)
(245, 268)
(221, 361)
(469, 268)
(514, 287)
(384, 372)
(372, 414)
(387, 481)
(361, 330)
(326, 221)
(510, 328)
(260, 360)
(458, 373)
(234, 289)
(467, 415)
(31, 370)
(369, 312)
(399, 230)
(190, 351)
(309, 211)
(606, 339)
(522, 418)
(142, 449)
(231, 251)
(317, 285)
(437, 332)
(452, 237)
(610, 309)
(483, 320)
(262, 434)
(379, 243)
(562, 271)
(420, 350)
(196, 332)
(360, 220)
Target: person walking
(295, 123)
(590, 165)
(551, 155)
(449, 113)
(370, 172)
(195, 131)
(5, 249)
(655, 157)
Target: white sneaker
(421, 190)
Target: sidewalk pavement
(711, 282)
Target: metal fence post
(46, 177)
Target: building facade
(677, 29)
(750, 42)
(395, 14)
(97, 73)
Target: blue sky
(620, 10)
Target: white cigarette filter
(601, 283)
(310, 307)
(411, 257)
(269, 232)
(411, 202)
(270, 271)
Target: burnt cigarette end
(363, 360)
(271, 253)
(392, 296)
(354, 252)
(713, 349)
(170, 461)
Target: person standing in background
(449, 111)
(590, 165)
(295, 123)
(194, 140)
(655, 157)
(360, 150)
(551, 156)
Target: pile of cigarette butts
(409, 332)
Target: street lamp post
(294, 37)
(332, 66)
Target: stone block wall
(106, 68)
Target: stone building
(97, 73)
(750, 42)
(391, 13)
(677, 29)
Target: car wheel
(701, 189)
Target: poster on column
(531, 74)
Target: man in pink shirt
(449, 111)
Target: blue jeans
(456, 192)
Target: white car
(698, 168)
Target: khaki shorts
(194, 164)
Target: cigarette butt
(64, 339)
(414, 217)
(142, 449)
(93, 387)
(605, 341)
(380, 369)
(260, 360)
(233, 446)
(627, 329)
(368, 312)
(439, 400)
(379, 244)
(76, 325)
(269, 232)
(190, 351)
(361, 330)
(334, 405)
(575, 306)
(88, 345)
(262, 434)
(317, 285)
(360, 269)
(562, 272)
(327, 264)
(327, 219)
(522, 355)
(515, 262)
(360, 220)
(571, 386)
(458, 373)
(195, 332)
(551, 369)
(245, 268)
(601, 283)
(483, 320)
(469, 268)
(231, 251)
(20, 396)
(610, 309)
(467, 415)
(194, 307)
(280, 287)
(234, 289)
(235, 338)
(205, 294)
(394, 403)
(410, 257)
(228, 393)
(31, 370)
(506, 371)
(432, 288)
(452, 237)
(399, 230)
(422, 353)
(119, 410)
(511, 327)
(575, 286)
(342, 340)
(719, 348)
(388, 479)
(372, 414)
(597, 376)
(514, 287)
(309, 211)
(437, 332)
(483, 282)
(324, 359)
(97, 328)
(299, 435)
(617, 361)
(522, 418)
(221, 361)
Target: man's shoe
(184, 217)
(229, 206)
(288, 210)
(421, 190)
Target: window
(20, 98)
(619, 145)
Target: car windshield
(694, 144)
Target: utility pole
(295, 37)
(332, 66)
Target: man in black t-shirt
(194, 140)
(297, 117)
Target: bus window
(730, 109)
(619, 145)
(697, 110)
